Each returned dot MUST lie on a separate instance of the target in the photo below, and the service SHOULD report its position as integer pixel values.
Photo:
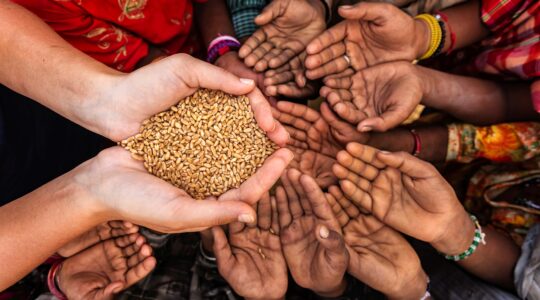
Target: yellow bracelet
(436, 34)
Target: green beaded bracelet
(479, 237)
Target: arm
(213, 19)
(477, 101)
(243, 14)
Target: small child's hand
(251, 259)
(311, 236)
(289, 80)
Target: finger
(109, 290)
(222, 249)
(264, 62)
(325, 56)
(298, 110)
(349, 112)
(327, 38)
(140, 271)
(262, 181)
(317, 199)
(407, 164)
(338, 211)
(262, 111)
(358, 196)
(284, 214)
(294, 177)
(278, 60)
(258, 54)
(295, 118)
(120, 231)
(333, 120)
(205, 75)
(264, 212)
(337, 96)
(338, 82)
(126, 240)
(292, 197)
(345, 174)
(335, 66)
(347, 73)
(278, 78)
(367, 154)
(275, 216)
(349, 208)
(292, 90)
(256, 39)
(334, 246)
(297, 136)
(374, 12)
(269, 13)
(357, 166)
(144, 252)
(389, 119)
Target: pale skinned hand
(106, 269)
(372, 33)
(400, 190)
(289, 80)
(154, 88)
(286, 27)
(379, 256)
(250, 259)
(307, 129)
(123, 190)
(311, 236)
(314, 164)
(379, 97)
(102, 232)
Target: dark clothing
(37, 145)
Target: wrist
(323, 9)
(458, 236)
(335, 292)
(414, 289)
(422, 37)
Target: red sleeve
(101, 40)
(497, 14)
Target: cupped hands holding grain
(208, 144)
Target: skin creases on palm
(314, 164)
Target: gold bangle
(435, 34)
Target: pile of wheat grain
(207, 144)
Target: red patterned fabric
(514, 48)
(119, 32)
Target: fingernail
(346, 7)
(385, 152)
(246, 218)
(324, 232)
(246, 81)
(365, 129)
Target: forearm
(477, 101)
(213, 19)
(493, 262)
(464, 19)
(34, 226)
(52, 73)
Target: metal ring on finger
(347, 59)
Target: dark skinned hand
(251, 259)
(105, 269)
(314, 164)
(379, 256)
(400, 190)
(372, 33)
(286, 27)
(310, 236)
(289, 80)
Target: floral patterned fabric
(508, 142)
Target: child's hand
(311, 236)
(372, 33)
(314, 164)
(107, 268)
(308, 130)
(341, 130)
(289, 80)
(251, 259)
(379, 97)
(400, 190)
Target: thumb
(366, 11)
(408, 164)
(333, 243)
(269, 13)
(199, 74)
(209, 213)
(112, 289)
(390, 118)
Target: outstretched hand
(106, 269)
(372, 33)
(400, 190)
(289, 80)
(310, 235)
(286, 27)
(250, 259)
(379, 97)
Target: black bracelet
(443, 37)
(328, 12)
